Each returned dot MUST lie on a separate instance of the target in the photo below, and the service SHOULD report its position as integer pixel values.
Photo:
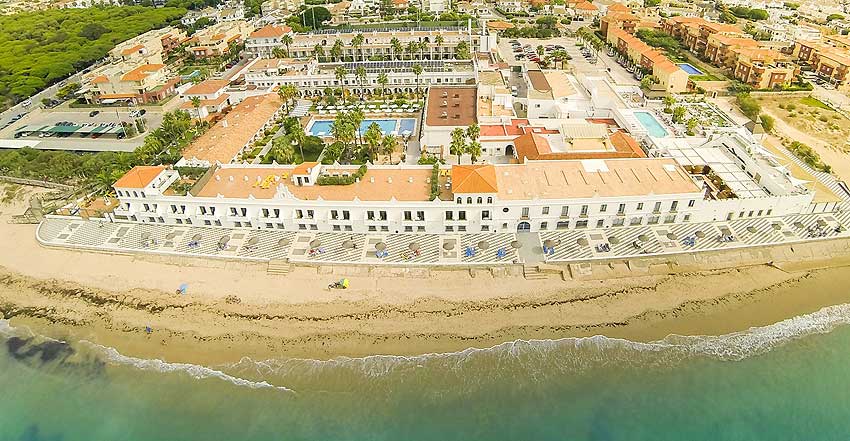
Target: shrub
(749, 106)
(767, 122)
(435, 182)
(342, 179)
(823, 118)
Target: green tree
(372, 140)
(767, 122)
(388, 145)
(439, 41)
(748, 105)
(340, 73)
(462, 51)
(417, 71)
(458, 143)
(319, 52)
(357, 44)
(286, 40)
(474, 150)
(383, 80)
(196, 104)
(397, 48)
(361, 76)
(691, 125)
(678, 114)
(336, 50)
(315, 17)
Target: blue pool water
(322, 127)
(655, 129)
(690, 69)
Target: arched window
(480, 199)
(459, 200)
(468, 200)
(490, 200)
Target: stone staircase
(278, 267)
(532, 272)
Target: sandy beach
(233, 309)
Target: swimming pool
(653, 127)
(689, 69)
(401, 126)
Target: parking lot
(101, 128)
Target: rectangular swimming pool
(653, 127)
(398, 126)
(689, 69)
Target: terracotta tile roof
(141, 72)
(304, 168)
(224, 140)
(499, 25)
(618, 7)
(213, 102)
(474, 179)
(100, 79)
(270, 31)
(538, 81)
(625, 143)
(531, 146)
(587, 6)
(131, 50)
(460, 106)
(207, 87)
(139, 176)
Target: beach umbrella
(171, 235)
(672, 236)
(283, 242)
(751, 229)
(726, 231)
(776, 226)
(700, 234)
(448, 246)
(315, 243)
(483, 245)
(380, 246)
(413, 246)
(197, 237)
(614, 240)
(516, 244)
(821, 223)
(347, 244)
(583, 242)
(799, 224)
(146, 235)
(253, 241)
(643, 238)
(548, 243)
(224, 240)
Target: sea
(786, 381)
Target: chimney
(410, 179)
(372, 179)
(230, 178)
(217, 178)
(245, 178)
(389, 180)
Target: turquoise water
(784, 381)
(399, 126)
(689, 69)
(655, 129)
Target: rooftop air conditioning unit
(445, 103)
(445, 94)
(444, 115)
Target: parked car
(94, 113)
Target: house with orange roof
(669, 76)
(586, 11)
(262, 42)
(206, 98)
(499, 25)
(763, 68)
(152, 47)
(621, 20)
(216, 40)
(831, 62)
(126, 82)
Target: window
(563, 225)
(372, 228)
(408, 228)
(347, 227)
(203, 210)
(480, 199)
(759, 213)
(312, 226)
(687, 218)
(581, 224)
(565, 211)
(769, 212)
(490, 200)
(459, 200)
(524, 211)
(618, 222)
(385, 228)
(408, 215)
(383, 215)
(265, 212)
(673, 206)
(657, 208)
(652, 220)
(420, 229)
(583, 211)
(335, 228)
(450, 229)
(545, 210)
(309, 213)
(600, 223)
(370, 215)
(621, 209)
(640, 206)
(449, 215)
(603, 208)
(691, 202)
(334, 214)
(346, 215)
(302, 227)
(485, 215)
(468, 200)
(299, 214)
(420, 215)
(544, 225)
(461, 215)
(485, 228)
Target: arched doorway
(509, 150)
(523, 227)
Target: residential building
(263, 41)
(586, 11)
(216, 40)
(152, 47)
(620, 20)
(212, 98)
(126, 82)
(763, 68)
(670, 78)
(829, 62)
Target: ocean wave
(194, 370)
(572, 354)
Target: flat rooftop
(592, 177)
(379, 184)
(451, 106)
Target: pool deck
(397, 130)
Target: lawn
(814, 102)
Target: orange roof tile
(587, 6)
(141, 72)
(618, 7)
(100, 79)
(474, 179)
(304, 168)
(499, 25)
(139, 176)
(623, 142)
(531, 146)
(207, 87)
(133, 49)
(270, 31)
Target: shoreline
(235, 309)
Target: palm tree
(438, 40)
(277, 52)
(372, 139)
(360, 75)
(282, 151)
(340, 73)
(298, 137)
(196, 103)
(541, 50)
(356, 118)
(357, 42)
(336, 50)
(287, 40)
(412, 47)
(417, 70)
(422, 46)
(458, 145)
(343, 131)
(398, 50)
(383, 80)
(473, 132)
(319, 51)
(287, 93)
(474, 150)
(388, 145)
